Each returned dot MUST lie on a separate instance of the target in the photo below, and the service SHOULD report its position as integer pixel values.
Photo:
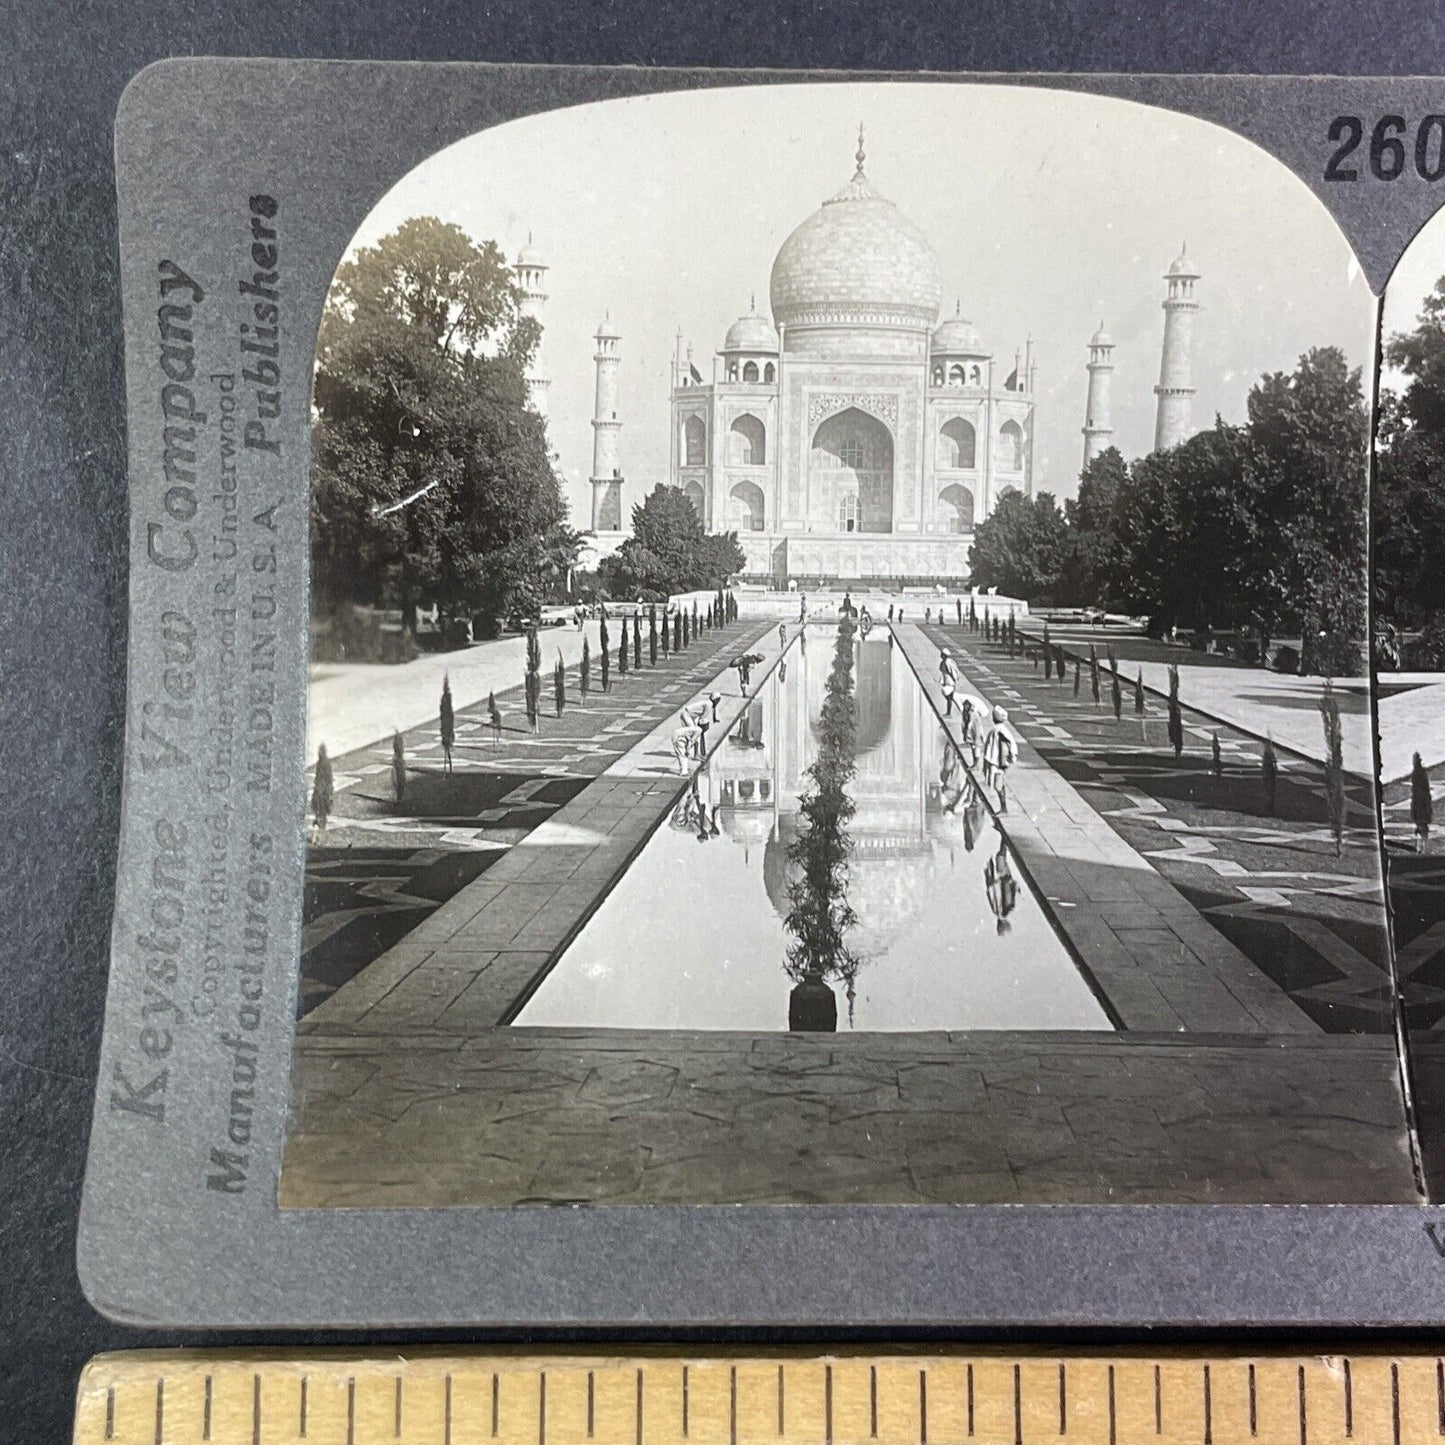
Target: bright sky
(1049, 210)
(1412, 280)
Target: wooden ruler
(904, 1398)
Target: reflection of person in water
(865, 620)
(706, 804)
(1001, 885)
(952, 780)
(846, 607)
(975, 817)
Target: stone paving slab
(1412, 722)
(542, 1116)
(522, 912)
(1110, 894)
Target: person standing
(947, 667)
(802, 609)
(1000, 752)
(890, 612)
(782, 636)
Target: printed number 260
(1387, 147)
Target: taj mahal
(851, 434)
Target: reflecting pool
(946, 931)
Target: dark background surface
(62, 482)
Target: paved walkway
(475, 960)
(352, 704)
(1412, 720)
(408, 1094)
(381, 867)
(1157, 962)
(540, 1116)
(1267, 881)
(1251, 700)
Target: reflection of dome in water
(889, 876)
(872, 691)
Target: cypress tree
(622, 653)
(584, 677)
(1269, 771)
(323, 789)
(559, 685)
(1335, 800)
(1216, 758)
(398, 767)
(603, 655)
(1116, 696)
(677, 630)
(1422, 806)
(1139, 693)
(494, 717)
(1048, 656)
(1176, 716)
(1076, 677)
(666, 635)
(1094, 672)
(447, 722)
(652, 635)
(533, 679)
(636, 640)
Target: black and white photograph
(840, 666)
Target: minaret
(1098, 423)
(1176, 386)
(606, 434)
(531, 273)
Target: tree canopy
(669, 551)
(1408, 513)
(432, 480)
(1258, 525)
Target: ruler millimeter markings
(950, 1397)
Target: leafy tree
(1088, 562)
(669, 551)
(323, 788)
(1020, 548)
(432, 479)
(1408, 506)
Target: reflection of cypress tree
(819, 915)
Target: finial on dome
(861, 156)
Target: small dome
(856, 256)
(529, 255)
(1101, 337)
(958, 337)
(1182, 266)
(606, 330)
(751, 333)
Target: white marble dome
(958, 337)
(856, 258)
(751, 333)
